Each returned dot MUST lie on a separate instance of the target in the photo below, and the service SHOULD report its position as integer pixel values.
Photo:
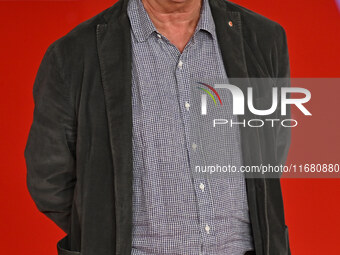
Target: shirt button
(207, 228)
(202, 186)
(194, 146)
(187, 106)
(159, 36)
(180, 64)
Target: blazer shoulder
(83, 36)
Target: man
(108, 155)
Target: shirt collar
(206, 21)
(143, 27)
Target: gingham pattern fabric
(175, 212)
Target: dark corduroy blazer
(79, 148)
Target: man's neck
(175, 19)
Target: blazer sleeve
(283, 134)
(49, 151)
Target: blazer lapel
(231, 44)
(114, 51)
(229, 33)
(228, 29)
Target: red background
(313, 30)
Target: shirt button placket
(187, 106)
(180, 64)
(202, 186)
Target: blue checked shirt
(175, 212)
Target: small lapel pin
(230, 23)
